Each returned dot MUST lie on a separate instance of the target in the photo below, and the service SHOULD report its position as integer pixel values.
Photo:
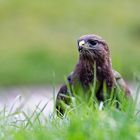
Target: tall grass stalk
(82, 121)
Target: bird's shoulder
(119, 80)
(69, 77)
(116, 74)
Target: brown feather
(94, 52)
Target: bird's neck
(84, 72)
(85, 69)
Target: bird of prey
(94, 55)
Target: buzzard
(94, 65)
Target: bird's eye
(92, 42)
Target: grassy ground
(82, 122)
(38, 38)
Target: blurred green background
(38, 37)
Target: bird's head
(93, 47)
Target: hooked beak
(82, 44)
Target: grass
(38, 38)
(38, 45)
(82, 122)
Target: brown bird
(94, 58)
